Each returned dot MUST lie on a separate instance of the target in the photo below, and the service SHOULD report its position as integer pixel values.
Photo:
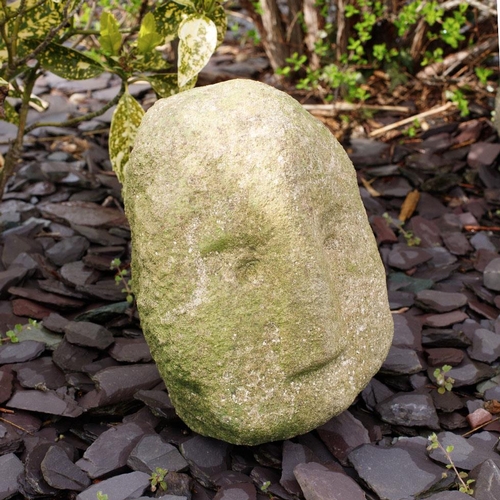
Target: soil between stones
(84, 409)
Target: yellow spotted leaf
(126, 120)
(66, 62)
(197, 43)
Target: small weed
(265, 486)
(457, 97)
(444, 382)
(464, 483)
(12, 334)
(101, 496)
(157, 479)
(410, 238)
(120, 276)
(483, 74)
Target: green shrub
(79, 40)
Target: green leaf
(185, 3)
(10, 114)
(66, 62)
(219, 17)
(164, 85)
(168, 17)
(197, 42)
(126, 120)
(111, 38)
(450, 448)
(149, 38)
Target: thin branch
(330, 110)
(79, 119)
(392, 126)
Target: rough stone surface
(11, 467)
(259, 301)
(121, 487)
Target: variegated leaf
(126, 120)
(111, 38)
(168, 17)
(10, 114)
(166, 85)
(185, 3)
(219, 17)
(38, 20)
(149, 38)
(197, 42)
(65, 62)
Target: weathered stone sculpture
(258, 280)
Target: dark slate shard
(445, 319)
(120, 383)
(385, 471)
(456, 243)
(322, 453)
(68, 250)
(481, 241)
(16, 244)
(398, 299)
(77, 273)
(482, 259)
(405, 257)
(485, 346)
(104, 314)
(130, 351)
(402, 361)
(206, 457)
(159, 402)
(405, 283)
(470, 452)
(152, 452)
(383, 233)
(6, 383)
(440, 356)
(55, 322)
(441, 258)
(72, 358)
(98, 236)
(61, 473)
(37, 333)
(11, 277)
(375, 392)
(19, 352)
(444, 337)
(11, 435)
(227, 477)
(143, 416)
(107, 290)
(364, 152)
(84, 333)
(468, 372)
(269, 454)
(343, 433)
(83, 213)
(11, 468)
(440, 301)
(447, 402)
(50, 299)
(59, 288)
(293, 455)
(80, 381)
(121, 487)
(268, 479)
(483, 309)
(398, 186)
(409, 410)
(241, 491)
(449, 495)
(29, 309)
(426, 230)
(487, 480)
(51, 402)
(482, 154)
(407, 332)
(110, 451)
(452, 421)
(40, 373)
(317, 482)
(100, 364)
